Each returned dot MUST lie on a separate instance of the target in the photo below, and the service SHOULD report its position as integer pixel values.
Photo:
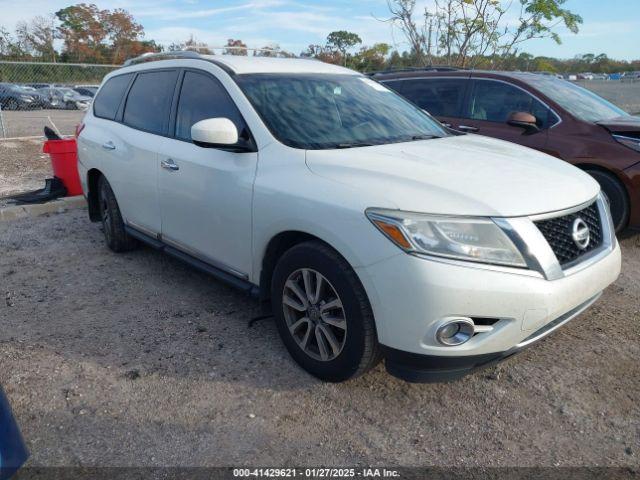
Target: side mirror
(523, 120)
(214, 132)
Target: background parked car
(86, 90)
(41, 99)
(66, 98)
(14, 97)
(540, 112)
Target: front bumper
(417, 368)
(411, 297)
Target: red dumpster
(64, 160)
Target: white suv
(372, 230)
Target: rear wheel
(12, 104)
(616, 195)
(115, 235)
(323, 314)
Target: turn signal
(393, 232)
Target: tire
(617, 196)
(351, 325)
(116, 237)
(12, 104)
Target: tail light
(79, 128)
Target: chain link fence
(35, 95)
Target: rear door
(130, 148)
(442, 97)
(491, 102)
(206, 193)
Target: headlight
(632, 143)
(470, 239)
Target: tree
(342, 41)
(37, 37)
(9, 47)
(94, 35)
(125, 35)
(235, 47)
(83, 29)
(463, 32)
(370, 59)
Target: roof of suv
(240, 64)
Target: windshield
(322, 111)
(578, 101)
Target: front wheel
(323, 314)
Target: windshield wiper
(424, 137)
(354, 144)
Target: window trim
(173, 112)
(176, 103)
(470, 90)
(124, 95)
(124, 105)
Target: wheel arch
(276, 247)
(93, 176)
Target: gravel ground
(31, 122)
(23, 167)
(137, 360)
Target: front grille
(558, 232)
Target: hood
(459, 175)
(625, 124)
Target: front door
(206, 193)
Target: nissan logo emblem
(580, 233)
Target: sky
(610, 26)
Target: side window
(495, 101)
(149, 101)
(441, 97)
(202, 97)
(108, 100)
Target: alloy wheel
(314, 314)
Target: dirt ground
(137, 360)
(23, 167)
(30, 123)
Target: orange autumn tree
(93, 35)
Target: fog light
(455, 332)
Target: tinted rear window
(149, 101)
(108, 100)
(440, 97)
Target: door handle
(169, 164)
(467, 128)
(109, 146)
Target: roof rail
(431, 68)
(197, 52)
(151, 57)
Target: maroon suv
(541, 112)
